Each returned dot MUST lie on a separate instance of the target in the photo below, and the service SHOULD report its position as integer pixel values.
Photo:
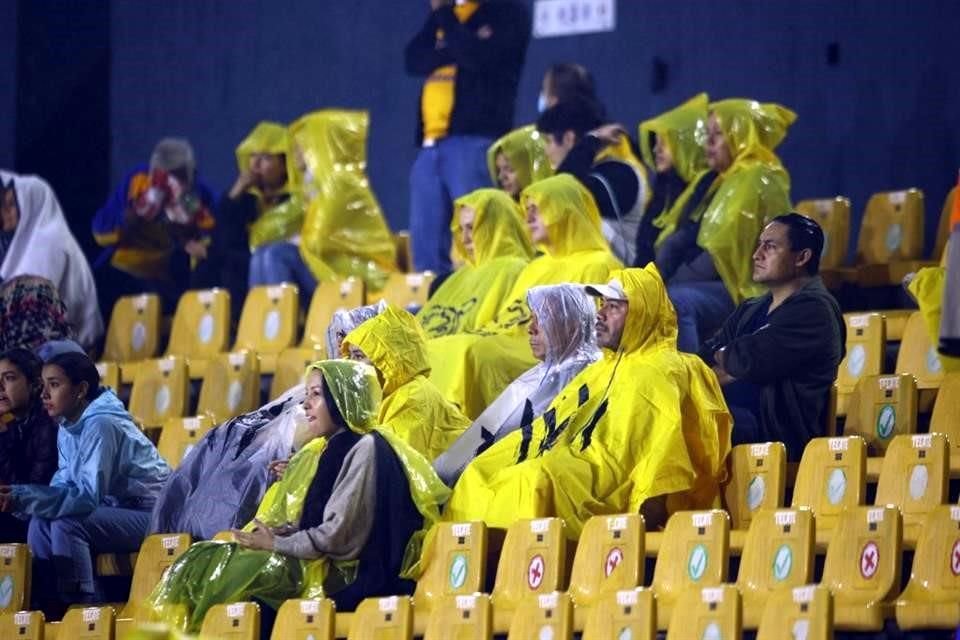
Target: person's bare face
(506, 175)
(466, 218)
(611, 318)
(9, 213)
(557, 149)
(269, 170)
(662, 158)
(536, 225)
(717, 150)
(538, 338)
(775, 262)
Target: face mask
(302, 433)
(541, 103)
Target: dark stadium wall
(8, 84)
(874, 83)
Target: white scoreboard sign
(570, 17)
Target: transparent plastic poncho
(345, 321)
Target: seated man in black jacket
(577, 142)
(777, 355)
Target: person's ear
(803, 258)
(569, 138)
(83, 390)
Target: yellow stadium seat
(891, 234)
(109, 375)
(301, 619)
(831, 477)
(180, 435)
(133, 333)
(943, 227)
(268, 323)
(931, 599)
(455, 566)
(22, 625)
(116, 564)
(944, 417)
(802, 612)
(610, 557)
(778, 554)
(629, 613)
(882, 407)
(157, 552)
(383, 619)
(405, 290)
(862, 568)
(466, 617)
(866, 342)
(833, 216)
(757, 480)
(533, 561)
(201, 328)
(291, 363)
(89, 623)
(546, 615)
(694, 554)
(235, 621)
(231, 386)
(918, 356)
(404, 259)
(709, 612)
(329, 298)
(914, 476)
(159, 391)
(15, 573)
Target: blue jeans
(701, 307)
(281, 262)
(64, 548)
(453, 167)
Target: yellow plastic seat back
(231, 386)
(268, 322)
(931, 599)
(918, 355)
(757, 480)
(201, 324)
(547, 615)
(833, 216)
(328, 298)
(134, 330)
(180, 435)
(15, 575)
(881, 408)
(455, 564)
(156, 554)
(610, 557)
(109, 375)
(383, 619)
(291, 363)
(301, 619)
(466, 617)
(234, 621)
(945, 412)
(694, 554)
(89, 623)
(866, 341)
(778, 553)
(532, 561)
(22, 625)
(914, 476)
(406, 290)
(892, 227)
(630, 613)
(832, 476)
(159, 391)
(862, 568)
(801, 612)
(709, 612)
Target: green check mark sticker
(697, 564)
(782, 563)
(458, 571)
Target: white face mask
(302, 433)
(541, 103)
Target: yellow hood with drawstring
(524, 150)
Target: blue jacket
(104, 459)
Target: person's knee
(38, 535)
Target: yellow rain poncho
(678, 129)
(927, 289)
(643, 422)
(470, 298)
(754, 189)
(344, 233)
(284, 220)
(219, 572)
(412, 408)
(525, 152)
(471, 370)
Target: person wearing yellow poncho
(644, 429)
(707, 259)
(472, 369)
(927, 288)
(263, 210)
(344, 233)
(346, 521)
(412, 408)
(517, 160)
(488, 231)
